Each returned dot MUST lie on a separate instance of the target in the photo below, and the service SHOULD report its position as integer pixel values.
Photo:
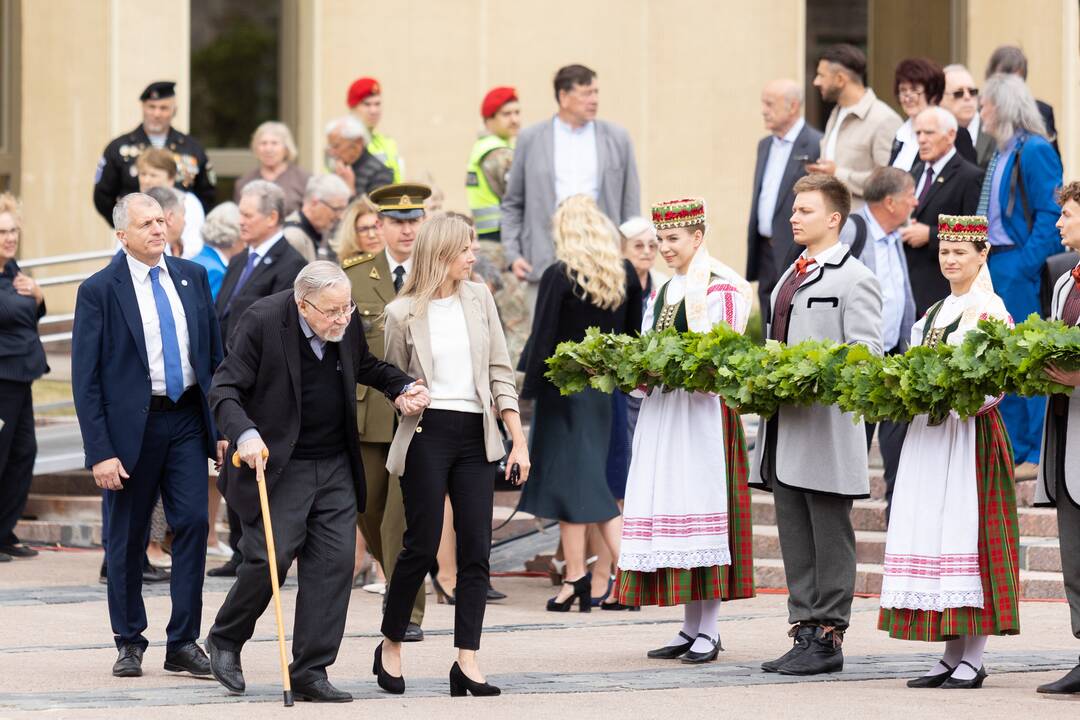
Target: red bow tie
(1076, 275)
(804, 262)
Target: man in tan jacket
(859, 134)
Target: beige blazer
(864, 143)
(408, 346)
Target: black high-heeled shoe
(395, 685)
(441, 596)
(970, 684)
(582, 593)
(932, 681)
(461, 685)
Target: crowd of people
(367, 352)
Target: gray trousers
(313, 511)
(1069, 539)
(817, 542)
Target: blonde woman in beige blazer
(446, 331)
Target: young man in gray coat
(813, 459)
(1059, 470)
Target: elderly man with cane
(283, 393)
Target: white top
(451, 384)
(938, 166)
(830, 144)
(909, 152)
(576, 163)
(194, 217)
(158, 141)
(775, 164)
(144, 294)
(829, 254)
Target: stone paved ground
(55, 655)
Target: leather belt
(161, 403)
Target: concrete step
(870, 515)
(62, 508)
(1035, 553)
(70, 482)
(1034, 585)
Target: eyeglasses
(910, 94)
(334, 315)
(370, 230)
(337, 209)
(970, 92)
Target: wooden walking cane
(271, 556)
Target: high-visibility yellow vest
(386, 151)
(485, 205)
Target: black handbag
(502, 484)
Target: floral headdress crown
(962, 228)
(678, 213)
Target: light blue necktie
(170, 346)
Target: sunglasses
(959, 94)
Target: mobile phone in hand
(515, 474)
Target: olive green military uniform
(383, 521)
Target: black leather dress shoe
(696, 658)
(154, 574)
(969, 684)
(188, 658)
(226, 570)
(225, 667)
(321, 691)
(824, 655)
(128, 661)
(413, 633)
(19, 551)
(672, 652)
(494, 595)
(802, 635)
(1065, 686)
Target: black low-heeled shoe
(696, 658)
(970, 684)
(932, 681)
(393, 684)
(672, 652)
(582, 593)
(461, 685)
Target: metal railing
(61, 318)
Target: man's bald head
(781, 105)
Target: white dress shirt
(775, 164)
(890, 274)
(830, 144)
(452, 386)
(576, 162)
(395, 264)
(973, 128)
(938, 166)
(144, 294)
(909, 151)
(265, 247)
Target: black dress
(569, 438)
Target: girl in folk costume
(951, 570)
(686, 530)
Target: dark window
(235, 51)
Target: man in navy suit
(145, 346)
(781, 160)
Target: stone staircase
(1040, 559)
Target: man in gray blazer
(781, 160)
(872, 234)
(813, 459)
(1059, 470)
(569, 154)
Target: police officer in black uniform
(116, 175)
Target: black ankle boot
(582, 593)
(824, 655)
(802, 635)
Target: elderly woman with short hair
(221, 240)
(274, 148)
(918, 84)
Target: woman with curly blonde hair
(358, 230)
(589, 285)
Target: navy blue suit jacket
(110, 373)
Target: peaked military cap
(402, 201)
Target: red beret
(361, 89)
(495, 99)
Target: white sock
(709, 626)
(954, 653)
(691, 620)
(974, 646)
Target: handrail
(69, 258)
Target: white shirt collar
(974, 126)
(829, 255)
(793, 132)
(566, 128)
(942, 161)
(394, 263)
(140, 271)
(266, 246)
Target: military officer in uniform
(376, 279)
(365, 101)
(116, 175)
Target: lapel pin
(941, 180)
(374, 274)
(184, 283)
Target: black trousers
(768, 276)
(447, 457)
(18, 448)
(313, 512)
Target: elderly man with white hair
(961, 98)
(945, 183)
(285, 392)
(307, 229)
(347, 147)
